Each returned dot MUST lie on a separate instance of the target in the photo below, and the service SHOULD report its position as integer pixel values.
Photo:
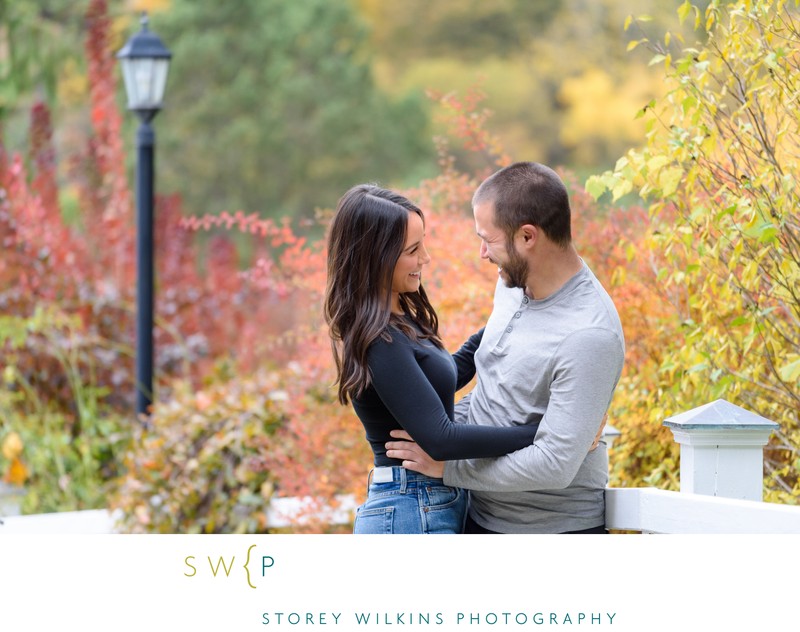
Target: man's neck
(551, 270)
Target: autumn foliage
(719, 172)
(244, 407)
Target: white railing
(659, 511)
(721, 488)
(88, 522)
(282, 513)
(722, 449)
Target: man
(552, 350)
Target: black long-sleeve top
(413, 388)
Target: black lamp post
(145, 62)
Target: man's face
(511, 266)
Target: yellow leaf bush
(719, 168)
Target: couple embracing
(520, 453)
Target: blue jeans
(411, 503)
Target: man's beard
(516, 269)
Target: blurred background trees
(557, 74)
(276, 109)
(267, 96)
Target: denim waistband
(397, 474)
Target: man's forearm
(529, 469)
(579, 397)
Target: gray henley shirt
(559, 360)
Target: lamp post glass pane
(145, 80)
(160, 68)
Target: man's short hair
(528, 193)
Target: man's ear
(527, 235)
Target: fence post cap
(719, 415)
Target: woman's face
(408, 271)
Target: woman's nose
(425, 256)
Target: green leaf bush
(67, 441)
(198, 464)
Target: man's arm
(416, 459)
(588, 368)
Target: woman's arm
(465, 359)
(416, 406)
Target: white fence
(722, 469)
(721, 488)
(283, 512)
(659, 511)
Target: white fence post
(610, 434)
(722, 450)
(10, 498)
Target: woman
(392, 365)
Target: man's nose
(484, 250)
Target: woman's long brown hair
(365, 240)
